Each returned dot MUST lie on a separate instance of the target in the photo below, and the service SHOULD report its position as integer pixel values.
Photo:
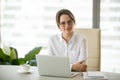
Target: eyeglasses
(70, 22)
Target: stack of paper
(95, 75)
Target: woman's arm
(79, 66)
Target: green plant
(9, 56)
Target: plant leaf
(15, 62)
(13, 54)
(3, 56)
(31, 55)
(21, 61)
(6, 49)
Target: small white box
(95, 75)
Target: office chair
(94, 47)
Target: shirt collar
(71, 40)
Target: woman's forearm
(79, 67)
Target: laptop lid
(53, 66)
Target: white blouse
(75, 49)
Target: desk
(8, 72)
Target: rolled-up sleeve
(83, 50)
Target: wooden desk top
(8, 72)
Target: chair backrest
(94, 47)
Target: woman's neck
(67, 37)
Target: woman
(68, 43)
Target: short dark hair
(61, 12)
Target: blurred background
(25, 24)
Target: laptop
(54, 66)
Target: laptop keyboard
(73, 73)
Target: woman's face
(66, 24)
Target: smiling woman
(67, 43)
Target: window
(26, 24)
(110, 26)
(29, 23)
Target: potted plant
(9, 56)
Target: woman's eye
(63, 23)
(69, 22)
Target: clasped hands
(79, 66)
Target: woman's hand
(79, 66)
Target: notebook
(54, 66)
(95, 75)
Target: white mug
(25, 67)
